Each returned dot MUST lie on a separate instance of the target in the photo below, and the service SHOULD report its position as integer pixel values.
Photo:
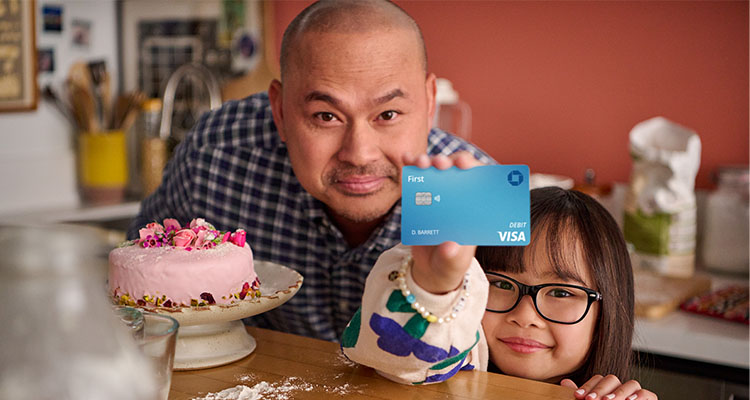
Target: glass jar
(725, 238)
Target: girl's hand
(609, 388)
(440, 269)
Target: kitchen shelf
(81, 214)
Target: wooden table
(297, 367)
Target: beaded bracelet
(412, 300)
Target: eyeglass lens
(558, 303)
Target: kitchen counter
(295, 367)
(694, 337)
(697, 337)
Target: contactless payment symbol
(515, 177)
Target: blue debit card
(484, 206)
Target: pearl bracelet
(412, 300)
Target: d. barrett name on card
(425, 232)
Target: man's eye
(388, 115)
(325, 116)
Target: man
(312, 170)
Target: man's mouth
(360, 185)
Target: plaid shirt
(233, 170)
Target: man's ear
(431, 89)
(276, 99)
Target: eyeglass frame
(532, 290)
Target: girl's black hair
(570, 221)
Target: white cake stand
(211, 336)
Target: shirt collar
(383, 237)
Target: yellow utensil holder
(103, 165)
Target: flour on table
(245, 378)
(342, 359)
(239, 392)
(284, 390)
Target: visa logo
(512, 236)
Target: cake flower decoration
(155, 227)
(171, 224)
(238, 237)
(197, 235)
(200, 238)
(184, 238)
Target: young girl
(559, 310)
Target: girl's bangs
(553, 227)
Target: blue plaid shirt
(233, 170)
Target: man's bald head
(347, 16)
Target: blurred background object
(726, 240)
(60, 337)
(452, 114)
(660, 219)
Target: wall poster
(18, 88)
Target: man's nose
(360, 144)
(525, 313)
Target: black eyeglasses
(556, 302)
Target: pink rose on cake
(184, 238)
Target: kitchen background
(557, 85)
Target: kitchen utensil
(125, 109)
(134, 105)
(100, 86)
(84, 107)
(79, 74)
(120, 109)
(49, 94)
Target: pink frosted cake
(170, 266)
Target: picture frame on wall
(18, 69)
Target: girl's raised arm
(413, 336)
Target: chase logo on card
(484, 206)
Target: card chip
(423, 199)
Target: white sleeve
(388, 335)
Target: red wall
(559, 85)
